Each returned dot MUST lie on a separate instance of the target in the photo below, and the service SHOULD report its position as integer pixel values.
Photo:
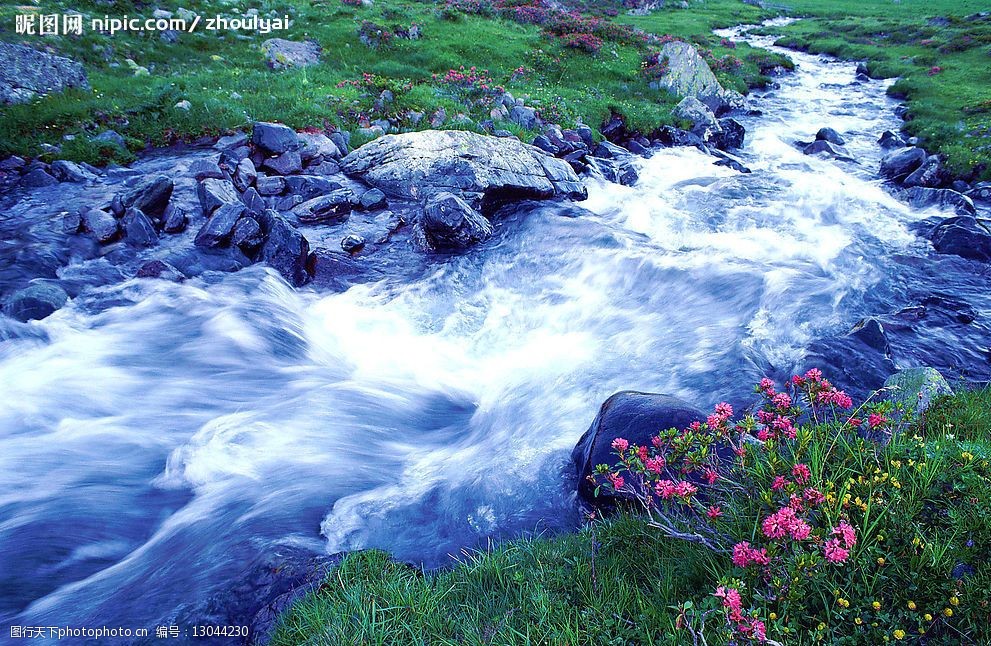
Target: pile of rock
(136, 216)
(924, 181)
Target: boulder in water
(963, 236)
(37, 178)
(449, 223)
(732, 135)
(138, 229)
(943, 198)
(287, 163)
(285, 249)
(214, 193)
(417, 164)
(930, 174)
(151, 196)
(688, 75)
(36, 301)
(67, 171)
(216, 231)
(890, 140)
(101, 224)
(334, 207)
(244, 175)
(703, 120)
(174, 219)
(830, 135)
(634, 416)
(160, 269)
(898, 164)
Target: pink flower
(764, 435)
(616, 480)
(710, 475)
(664, 489)
(685, 489)
(731, 598)
(781, 400)
(642, 453)
(813, 496)
(847, 533)
(766, 385)
(714, 512)
(833, 552)
(724, 410)
(814, 375)
(744, 555)
(620, 444)
(800, 530)
(855, 422)
(801, 473)
(875, 421)
(760, 630)
(654, 465)
(779, 483)
(784, 523)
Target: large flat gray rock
(26, 73)
(416, 165)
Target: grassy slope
(950, 109)
(562, 590)
(225, 79)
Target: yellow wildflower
(911, 605)
(899, 634)
(927, 617)
(880, 560)
(954, 601)
(858, 620)
(948, 612)
(876, 605)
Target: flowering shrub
(470, 86)
(374, 35)
(351, 3)
(825, 514)
(584, 42)
(654, 66)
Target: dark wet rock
(830, 135)
(930, 174)
(618, 171)
(542, 142)
(890, 140)
(247, 235)
(160, 269)
(283, 54)
(101, 224)
(255, 202)
(274, 138)
(216, 231)
(12, 163)
(150, 196)
(417, 164)
(214, 193)
(898, 164)
(823, 147)
(330, 208)
(373, 200)
(342, 140)
(450, 223)
(943, 198)
(731, 136)
(138, 229)
(288, 203)
(205, 169)
(36, 301)
(609, 150)
(352, 243)
(310, 186)
(38, 178)
(285, 249)
(235, 140)
(634, 416)
(855, 368)
(725, 159)
(963, 236)
(229, 159)
(324, 168)
(244, 175)
(671, 136)
(287, 163)
(193, 261)
(67, 171)
(638, 148)
(174, 220)
(27, 73)
(871, 332)
(267, 185)
(980, 192)
(72, 222)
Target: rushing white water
(155, 438)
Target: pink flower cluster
(733, 605)
(745, 555)
(784, 523)
(668, 489)
(837, 550)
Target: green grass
(942, 58)
(620, 582)
(226, 81)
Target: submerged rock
(449, 223)
(963, 236)
(944, 198)
(898, 164)
(36, 301)
(417, 164)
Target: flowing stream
(157, 438)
